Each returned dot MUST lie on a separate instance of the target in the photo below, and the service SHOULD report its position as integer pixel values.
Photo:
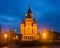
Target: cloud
(10, 19)
(5, 17)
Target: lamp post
(5, 36)
(44, 35)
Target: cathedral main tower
(28, 27)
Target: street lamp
(5, 36)
(44, 35)
(17, 37)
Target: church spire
(29, 12)
(29, 6)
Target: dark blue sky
(46, 12)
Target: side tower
(22, 27)
(35, 29)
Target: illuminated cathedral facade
(28, 27)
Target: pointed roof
(29, 12)
(34, 21)
(23, 21)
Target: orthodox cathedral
(28, 27)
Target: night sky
(46, 12)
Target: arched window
(28, 37)
(32, 37)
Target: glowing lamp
(5, 35)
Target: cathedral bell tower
(28, 21)
(28, 27)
